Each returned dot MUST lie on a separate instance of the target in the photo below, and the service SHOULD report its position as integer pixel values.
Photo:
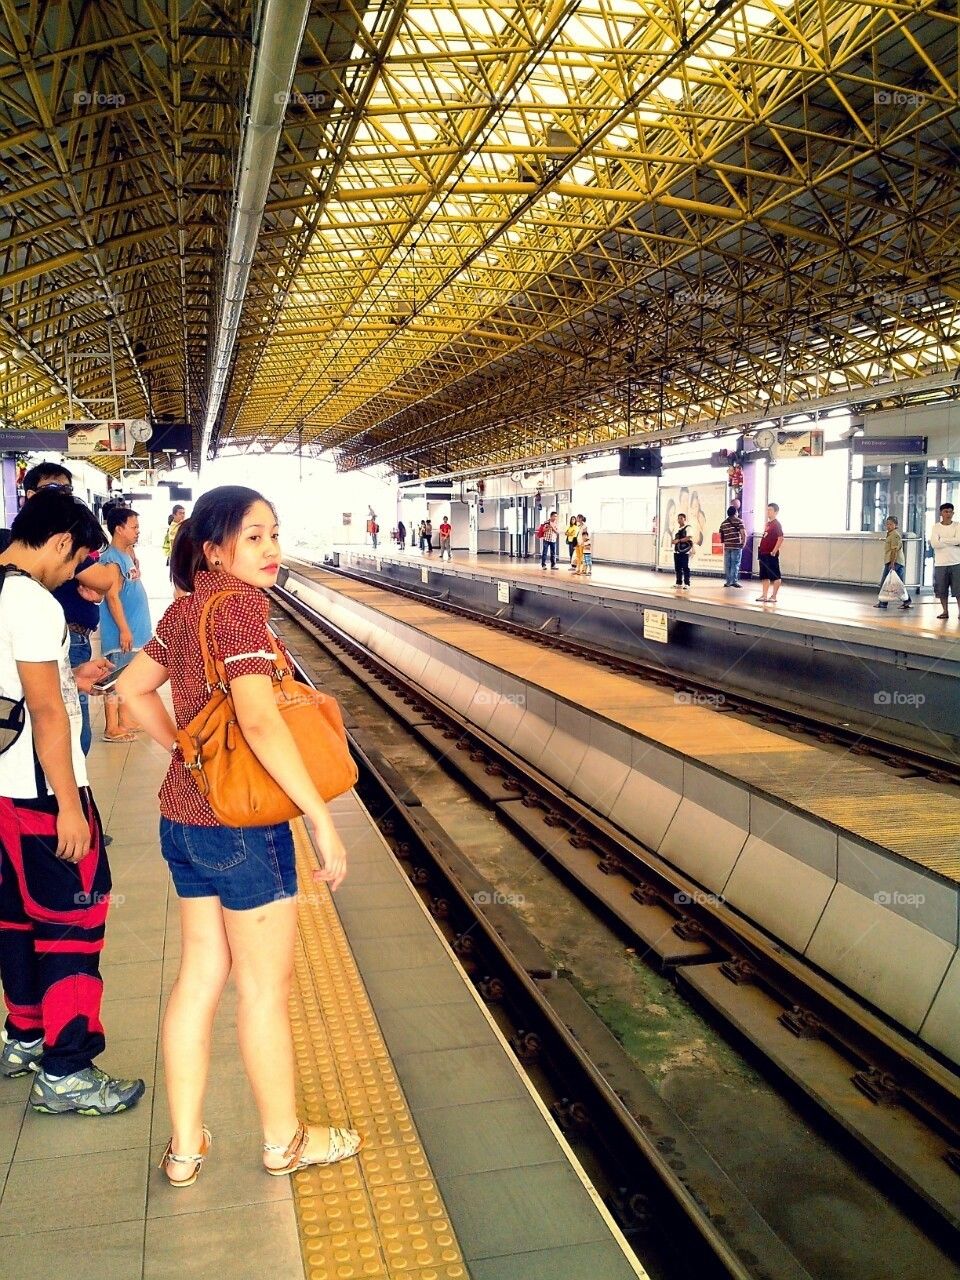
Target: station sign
(884, 446)
(424, 575)
(503, 592)
(655, 626)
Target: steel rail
(928, 1089)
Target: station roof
(490, 229)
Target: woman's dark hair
(218, 518)
(51, 512)
(182, 559)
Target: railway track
(900, 1106)
(904, 756)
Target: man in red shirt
(446, 529)
(768, 553)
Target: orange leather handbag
(225, 769)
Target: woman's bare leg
(188, 1020)
(262, 944)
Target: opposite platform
(816, 652)
(801, 608)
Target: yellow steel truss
(492, 228)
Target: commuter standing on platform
(428, 530)
(571, 538)
(733, 535)
(894, 562)
(682, 547)
(446, 531)
(945, 540)
(81, 594)
(237, 887)
(124, 620)
(550, 541)
(584, 548)
(174, 521)
(768, 554)
(401, 536)
(54, 875)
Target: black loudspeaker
(644, 461)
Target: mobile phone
(121, 661)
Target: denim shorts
(245, 867)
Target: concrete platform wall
(884, 929)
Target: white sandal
(168, 1157)
(344, 1145)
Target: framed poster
(85, 439)
(705, 506)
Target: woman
(174, 521)
(237, 888)
(571, 539)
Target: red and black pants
(52, 917)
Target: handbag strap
(214, 668)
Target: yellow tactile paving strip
(380, 1215)
(914, 818)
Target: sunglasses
(66, 488)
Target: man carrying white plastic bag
(892, 586)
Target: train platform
(464, 1172)
(814, 609)
(843, 859)
(847, 661)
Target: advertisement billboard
(799, 444)
(88, 438)
(705, 506)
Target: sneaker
(881, 605)
(907, 604)
(18, 1058)
(736, 586)
(90, 1092)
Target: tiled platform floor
(81, 1197)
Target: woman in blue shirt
(125, 625)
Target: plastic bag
(892, 588)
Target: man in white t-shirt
(54, 876)
(945, 540)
